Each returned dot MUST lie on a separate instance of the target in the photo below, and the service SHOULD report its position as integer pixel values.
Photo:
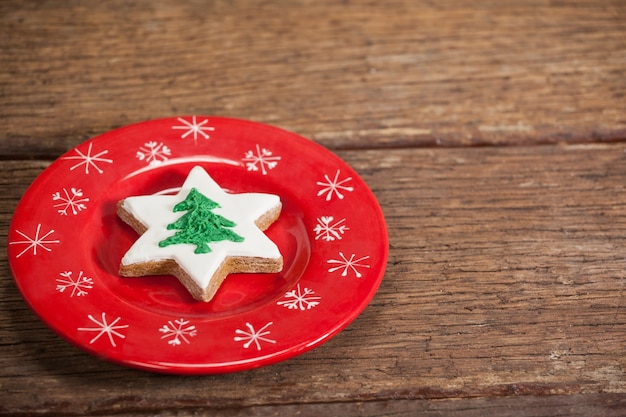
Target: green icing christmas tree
(199, 226)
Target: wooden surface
(506, 284)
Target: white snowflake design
(329, 231)
(153, 153)
(78, 286)
(262, 160)
(300, 299)
(252, 336)
(177, 330)
(345, 264)
(71, 200)
(195, 128)
(334, 186)
(36, 242)
(103, 327)
(89, 160)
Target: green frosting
(199, 226)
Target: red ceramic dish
(66, 242)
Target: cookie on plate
(201, 234)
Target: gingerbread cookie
(201, 234)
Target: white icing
(155, 212)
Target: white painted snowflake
(195, 128)
(89, 160)
(70, 201)
(153, 153)
(178, 330)
(253, 336)
(329, 231)
(103, 327)
(334, 186)
(35, 242)
(346, 264)
(300, 299)
(262, 160)
(78, 285)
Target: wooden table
(492, 133)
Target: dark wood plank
(582, 405)
(505, 280)
(349, 75)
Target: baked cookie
(201, 234)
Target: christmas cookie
(201, 234)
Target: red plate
(66, 242)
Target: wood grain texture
(505, 289)
(584, 405)
(346, 74)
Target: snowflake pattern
(177, 330)
(36, 242)
(153, 153)
(262, 160)
(195, 128)
(300, 299)
(103, 327)
(329, 231)
(253, 336)
(346, 264)
(78, 286)
(71, 200)
(334, 186)
(89, 160)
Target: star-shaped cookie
(201, 234)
